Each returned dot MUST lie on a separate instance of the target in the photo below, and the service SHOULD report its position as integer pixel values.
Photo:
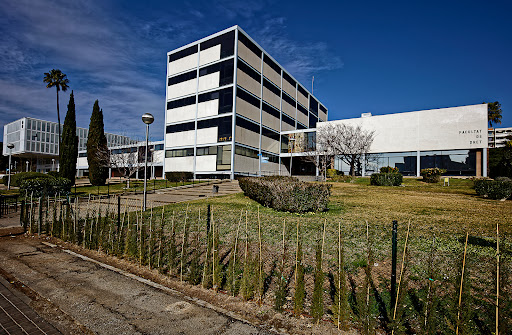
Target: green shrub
(18, 178)
(287, 194)
(498, 189)
(386, 179)
(45, 186)
(181, 176)
(331, 173)
(389, 169)
(432, 175)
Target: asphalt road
(107, 301)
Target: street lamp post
(10, 146)
(53, 164)
(148, 119)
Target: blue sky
(367, 56)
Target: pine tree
(317, 306)
(97, 148)
(69, 152)
(300, 290)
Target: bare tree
(350, 143)
(316, 152)
(124, 160)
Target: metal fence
(8, 204)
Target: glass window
(274, 89)
(289, 79)
(270, 133)
(313, 106)
(206, 151)
(179, 153)
(289, 99)
(225, 97)
(183, 53)
(176, 128)
(181, 102)
(302, 109)
(271, 110)
(182, 77)
(312, 121)
(223, 125)
(284, 143)
(247, 152)
(223, 157)
(272, 64)
(250, 45)
(247, 125)
(29, 124)
(248, 97)
(301, 126)
(159, 147)
(249, 71)
(288, 120)
(226, 41)
(302, 90)
(225, 68)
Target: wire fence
(323, 268)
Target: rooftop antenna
(312, 82)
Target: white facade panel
(181, 114)
(182, 138)
(209, 55)
(179, 164)
(208, 108)
(183, 64)
(438, 129)
(207, 135)
(184, 88)
(206, 163)
(209, 81)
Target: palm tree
(58, 79)
(494, 113)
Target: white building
(36, 142)
(498, 137)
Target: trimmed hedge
(46, 186)
(18, 178)
(432, 175)
(331, 173)
(287, 194)
(386, 179)
(175, 177)
(498, 189)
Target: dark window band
(248, 98)
(176, 128)
(323, 109)
(313, 106)
(226, 41)
(223, 125)
(312, 121)
(271, 87)
(273, 65)
(182, 77)
(225, 97)
(249, 71)
(247, 152)
(181, 102)
(251, 46)
(289, 99)
(301, 126)
(183, 53)
(303, 91)
(289, 79)
(270, 133)
(271, 110)
(288, 120)
(302, 109)
(248, 125)
(179, 153)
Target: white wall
(179, 164)
(206, 163)
(181, 114)
(208, 108)
(207, 135)
(437, 129)
(209, 55)
(181, 138)
(181, 89)
(209, 81)
(183, 64)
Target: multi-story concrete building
(498, 137)
(36, 142)
(229, 106)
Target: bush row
(287, 194)
(386, 179)
(18, 178)
(45, 186)
(498, 189)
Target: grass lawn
(433, 210)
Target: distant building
(498, 137)
(36, 142)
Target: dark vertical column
(393, 263)
(40, 218)
(118, 212)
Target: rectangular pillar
(479, 163)
(418, 162)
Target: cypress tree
(97, 148)
(69, 152)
